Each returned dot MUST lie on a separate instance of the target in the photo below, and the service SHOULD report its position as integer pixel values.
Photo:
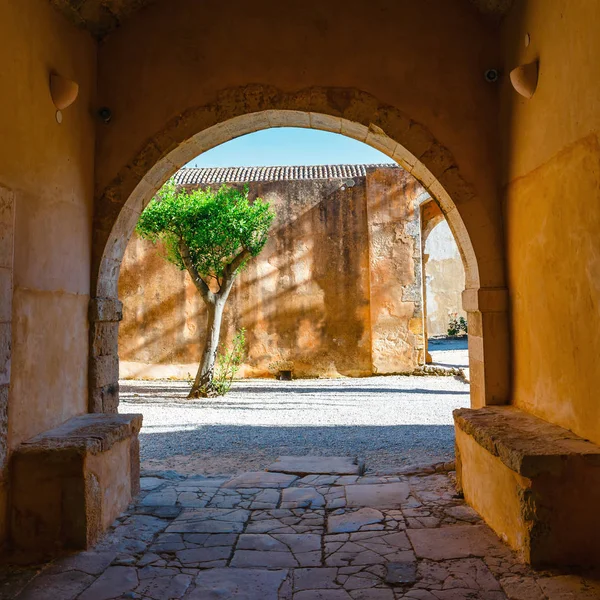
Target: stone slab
(302, 497)
(460, 541)
(353, 521)
(261, 479)
(113, 583)
(209, 520)
(401, 573)
(238, 584)
(316, 465)
(91, 433)
(523, 442)
(150, 483)
(377, 495)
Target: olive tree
(212, 234)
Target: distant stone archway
(253, 108)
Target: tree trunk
(215, 303)
(203, 384)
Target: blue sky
(289, 146)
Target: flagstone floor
(273, 535)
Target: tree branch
(229, 272)
(236, 263)
(200, 284)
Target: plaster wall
(46, 181)
(332, 291)
(444, 279)
(306, 45)
(551, 193)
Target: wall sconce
(64, 92)
(525, 79)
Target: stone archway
(346, 111)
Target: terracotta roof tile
(196, 176)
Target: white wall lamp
(64, 92)
(524, 79)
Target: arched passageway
(236, 113)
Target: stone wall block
(239, 126)
(5, 352)
(104, 370)
(438, 159)
(160, 172)
(288, 118)
(104, 399)
(108, 282)
(475, 323)
(418, 139)
(421, 172)
(105, 310)
(6, 293)
(354, 130)
(104, 338)
(7, 222)
(3, 430)
(325, 122)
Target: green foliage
(214, 226)
(457, 325)
(229, 363)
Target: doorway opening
(336, 294)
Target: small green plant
(228, 364)
(457, 325)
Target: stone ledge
(524, 443)
(89, 434)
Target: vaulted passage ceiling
(100, 17)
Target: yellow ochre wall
(336, 290)
(551, 192)
(46, 186)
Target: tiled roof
(194, 176)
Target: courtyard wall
(336, 291)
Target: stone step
(318, 465)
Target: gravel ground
(390, 422)
(449, 352)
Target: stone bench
(68, 484)
(536, 484)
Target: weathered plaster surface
(446, 113)
(444, 279)
(395, 272)
(47, 172)
(551, 177)
(335, 291)
(100, 17)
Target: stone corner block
(105, 309)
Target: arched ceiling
(100, 17)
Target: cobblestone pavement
(283, 536)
